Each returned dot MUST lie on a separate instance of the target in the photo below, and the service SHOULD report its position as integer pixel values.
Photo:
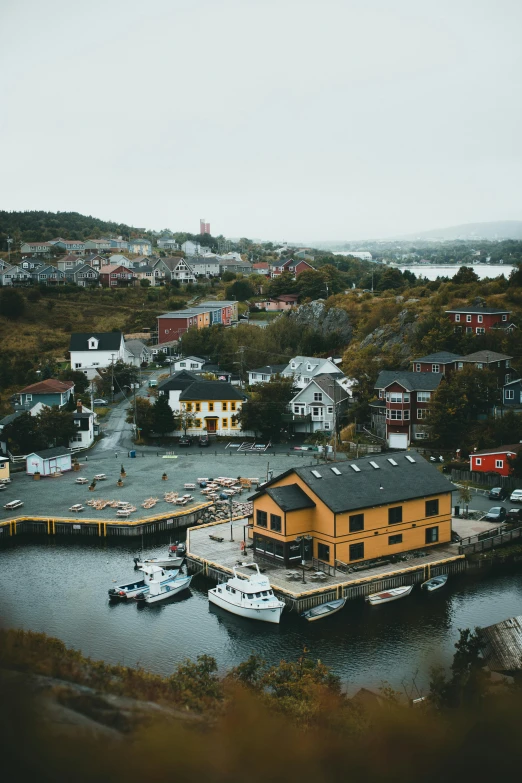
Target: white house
(121, 260)
(48, 461)
(264, 374)
(96, 349)
(168, 244)
(188, 363)
(85, 427)
(204, 266)
(136, 353)
(317, 407)
(304, 368)
(192, 248)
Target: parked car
(516, 496)
(203, 441)
(496, 514)
(185, 441)
(99, 401)
(514, 515)
(497, 493)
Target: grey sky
(280, 119)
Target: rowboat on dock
(389, 595)
(435, 583)
(324, 610)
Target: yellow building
(214, 407)
(374, 507)
(4, 469)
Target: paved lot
(53, 496)
(228, 553)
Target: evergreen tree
(163, 417)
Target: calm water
(60, 587)
(481, 270)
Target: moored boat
(178, 550)
(324, 610)
(158, 590)
(250, 597)
(435, 583)
(389, 595)
(131, 589)
(171, 561)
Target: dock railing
(473, 544)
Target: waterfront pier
(215, 549)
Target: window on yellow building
(323, 552)
(356, 523)
(275, 523)
(198, 406)
(211, 406)
(225, 423)
(432, 535)
(189, 406)
(357, 551)
(261, 518)
(432, 507)
(395, 539)
(394, 515)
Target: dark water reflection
(59, 586)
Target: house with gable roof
(303, 368)
(353, 511)
(50, 392)
(319, 406)
(96, 349)
(400, 413)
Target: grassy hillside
(34, 226)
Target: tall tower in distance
(204, 228)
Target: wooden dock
(211, 551)
(80, 525)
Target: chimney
(79, 407)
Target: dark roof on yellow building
(375, 480)
(211, 390)
(290, 498)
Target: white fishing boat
(435, 583)
(324, 610)
(252, 597)
(389, 595)
(171, 561)
(131, 589)
(158, 590)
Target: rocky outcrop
(399, 333)
(316, 315)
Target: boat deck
(215, 557)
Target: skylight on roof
(356, 468)
(336, 471)
(392, 461)
(316, 474)
(410, 459)
(374, 465)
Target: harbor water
(59, 586)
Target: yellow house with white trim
(214, 406)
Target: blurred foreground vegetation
(265, 723)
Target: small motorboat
(252, 597)
(158, 590)
(178, 550)
(389, 595)
(131, 590)
(435, 583)
(171, 561)
(324, 610)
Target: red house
(113, 276)
(295, 267)
(478, 320)
(172, 325)
(494, 460)
(400, 414)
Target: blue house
(512, 394)
(50, 392)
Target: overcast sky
(278, 119)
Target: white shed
(48, 461)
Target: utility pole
(9, 241)
(334, 422)
(241, 352)
(112, 377)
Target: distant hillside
(500, 229)
(35, 226)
